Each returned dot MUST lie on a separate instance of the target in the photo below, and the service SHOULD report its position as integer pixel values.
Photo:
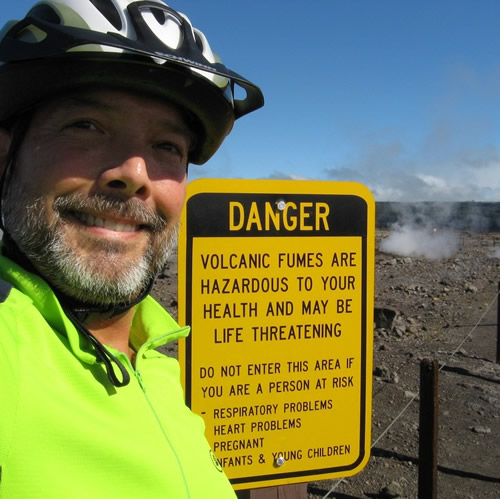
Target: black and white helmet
(144, 46)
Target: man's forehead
(73, 102)
(114, 102)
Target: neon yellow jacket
(66, 432)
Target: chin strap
(102, 353)
(78, 311)
(81, 310)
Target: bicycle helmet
(143, 46)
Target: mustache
(106, 205)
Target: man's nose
(129, 177)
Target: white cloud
(393, 177)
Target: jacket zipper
(155, 414)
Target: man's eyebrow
(82, 101)
(171, 126)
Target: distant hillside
(470, 216)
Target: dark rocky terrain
(442, 309)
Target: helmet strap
(18, 132)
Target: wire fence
(404, 409)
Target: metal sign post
(276, 281)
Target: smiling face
(96, 192)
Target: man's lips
(105, 223)
(109, 214)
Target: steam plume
(425, 242)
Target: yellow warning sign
(276, 281)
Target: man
(103, 104)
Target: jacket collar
(152, 326)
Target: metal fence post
(428, 430)
(498, 324)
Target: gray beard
(41, 238)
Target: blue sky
(402, 96)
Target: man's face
(96, 192)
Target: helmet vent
(108, 9)
(46, 13)
(198, 40)
(31, 34)
(159, 15)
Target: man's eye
(168, 146)
(83, 124)
(173, 156)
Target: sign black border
(204, 218)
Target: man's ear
(5, 140)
